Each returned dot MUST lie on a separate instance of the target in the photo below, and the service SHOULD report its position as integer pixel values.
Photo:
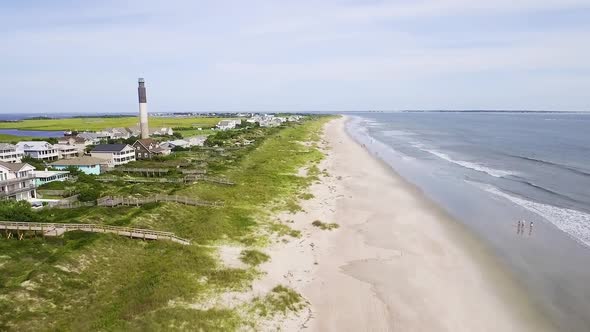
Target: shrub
(253, 257)
(17, 211)
(325, 226)
(88, 194)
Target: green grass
(194, 132)
(6, 138)
(94, 124)
(280, 300)
(253, 257)
(113, 283)
(325, 226)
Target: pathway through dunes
(56, 229)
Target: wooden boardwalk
(56, 229)
(112, 201)
(142, 180)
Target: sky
(65, 56)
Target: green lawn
(94, 124)
(6, 138)
(85, 282)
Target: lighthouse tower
(143, 113)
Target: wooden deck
(56, 229)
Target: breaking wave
(573, 222)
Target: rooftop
(13, 167)
(109, 148)
(46, 174)
(34, 145)
(80, 161)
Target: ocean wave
(573, 222)
(498, 173)
(550, 163)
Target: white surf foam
(574, 223)
(467, 164)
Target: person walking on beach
(530, 228)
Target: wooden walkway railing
(142, 180)
(112, 201)
(56, 229)
(187, 178)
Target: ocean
(491, 169)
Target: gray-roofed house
(114, 154)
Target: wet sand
(397, 262)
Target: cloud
(232, 53)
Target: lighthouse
(143, 113)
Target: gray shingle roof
(109, 148)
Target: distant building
(79, 143)
(65, 151)
(9, 153)
(39, 150)
(17, 181)
(228, 124)
(43, 177)
(176, 143)
(196, 140)
(92, 138)
(148, 148)
(86, 164)
(114, 154)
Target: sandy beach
(396, 263)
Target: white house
(9, 153)
(66, 151)
(38, 149)
(17, 181)
(79, 143)
(228, 124)
(114, 154)
(91, 138)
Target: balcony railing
(14, 191)
(16, 180)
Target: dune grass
(83, 282)
(325, 226)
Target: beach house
(17, 181)
(78, 142)
(65, 151)
(9, 153)
(147, 148)
(114, 154)
(228, 124)
(39, 150)
(43, 177)
(86, 164)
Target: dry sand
(397, 262)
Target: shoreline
(397, 261)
